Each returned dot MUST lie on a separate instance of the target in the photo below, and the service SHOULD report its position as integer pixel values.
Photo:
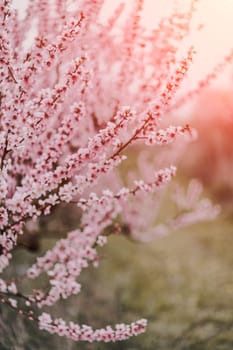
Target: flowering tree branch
(65, 127)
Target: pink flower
(75, 100)
(3, 217)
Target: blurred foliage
(182, 283)
(211, 155)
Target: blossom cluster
(86, 333)
(75, 99)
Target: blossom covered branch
(75, 98)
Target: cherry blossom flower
(75, 100)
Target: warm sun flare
(211, 33)
(213, 29)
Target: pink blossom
(76, 101)
(86, 333)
